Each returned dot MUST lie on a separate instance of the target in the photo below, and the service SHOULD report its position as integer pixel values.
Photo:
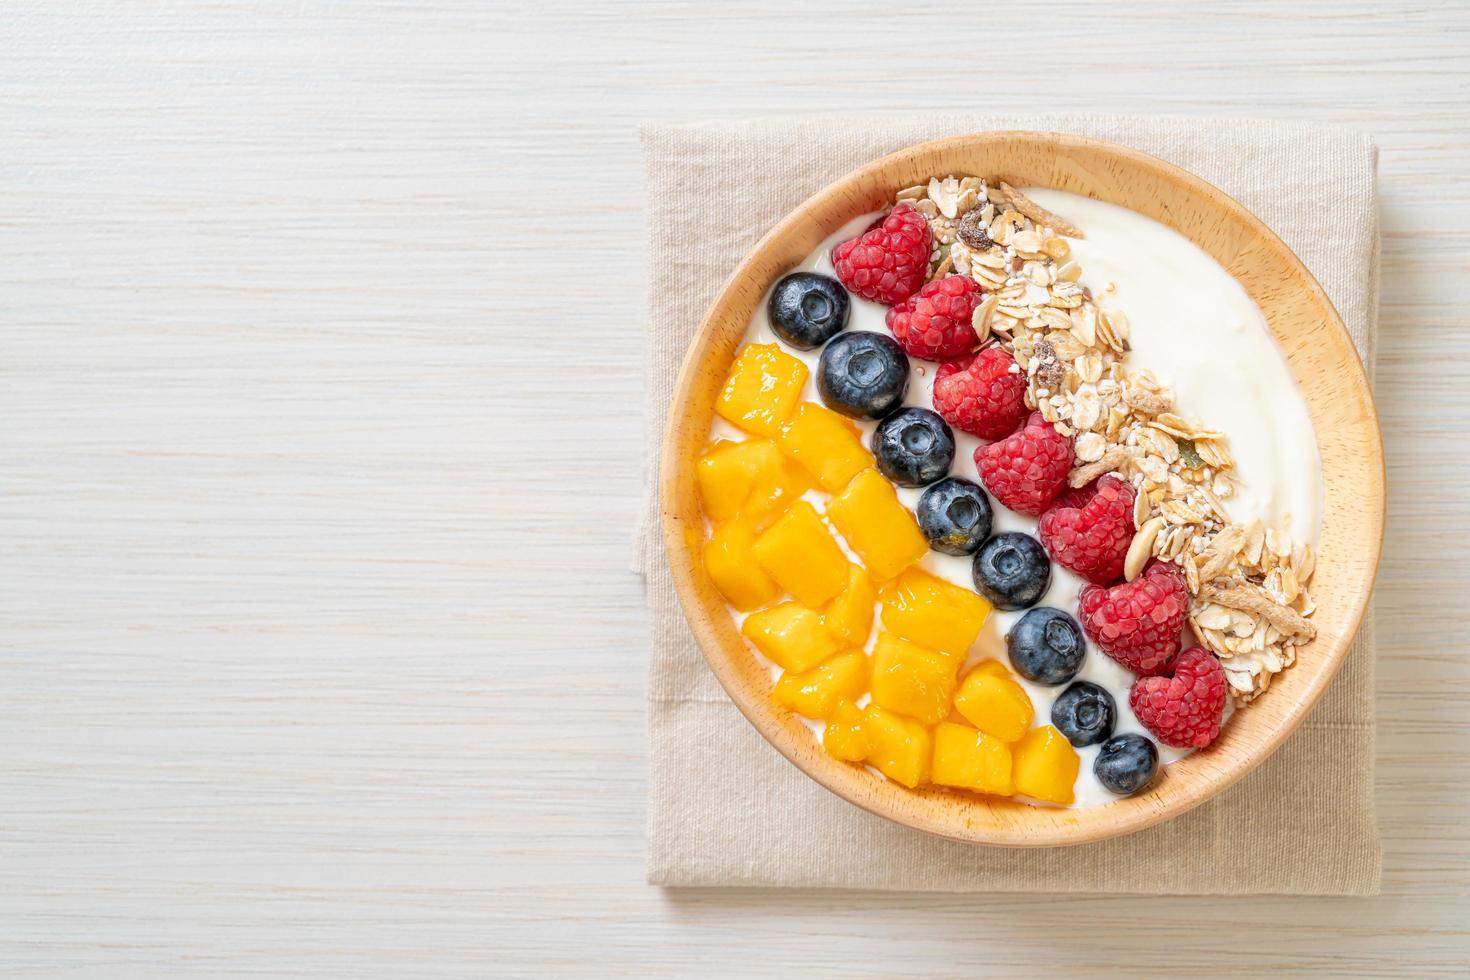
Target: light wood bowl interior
(1323, 361)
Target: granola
(1250, 603)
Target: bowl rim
(1062, 826)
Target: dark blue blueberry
(1046, 646)
(1085, 713)
(1012, 571)
(954, 515)
(1126, 763)
(863, 375)
(913, 446)
(807, 309)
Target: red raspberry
(888, 262)
(1089, 530)
(1138, 623)
(935, 323)
(981, 395)
(1184, 710)
(1028, 470)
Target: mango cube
(993, 666)
(911, 680)
(816, 692)
(932, 612)
(844, 736)
(850, 615)
(826, 444)
(1044, 765)
(993, 702)
(790, 635)
(898, 747)
(877, 526)
(802, 555)
(729, 557)
(750, 479)
(969, 759)
(763, 388)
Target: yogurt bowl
(1333, 410)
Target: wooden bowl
(1323, 361)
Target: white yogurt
(1198, 331)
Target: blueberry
(807, 309)
(1126, 763)
(1085, 713)
(1012, 571)
(954, 515)
(1046, 646)
(914, 447)
(863, 375)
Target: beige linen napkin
(725, 809)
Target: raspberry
(1027, 470)
(1138, 623)
(888, 262)
(1089, 530)
(981, 395)
(1184, 710)
(935, 323)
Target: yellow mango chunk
(729, 557)
(877, 526)
(815, 693)
(969, 759)
(993, 702)
(932, 612)
(762, 389)
(844, 737)
(898, 747)
(850, 615)
(1044, 765)
(749, 479)
(790, 635)
(826, 444)
(993, 667)
(911, 680)
(802, 555)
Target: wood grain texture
(1309, 331)
(307, 666)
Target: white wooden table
(319, 429)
